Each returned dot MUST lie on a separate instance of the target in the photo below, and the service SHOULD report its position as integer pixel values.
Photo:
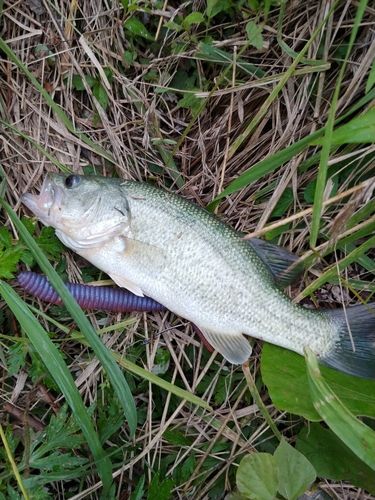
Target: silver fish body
(157, 244)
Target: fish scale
(158, 244)
(231, 266)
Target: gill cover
(104, 216)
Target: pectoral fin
(151, 255)
(136, 252)
(124, 283)
(234, 347)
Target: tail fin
(360, 361)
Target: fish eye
(72, 181)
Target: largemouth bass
(157, 244)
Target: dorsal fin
(284, 266)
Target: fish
(157, 244)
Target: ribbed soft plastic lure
(88, 296)
(102, 298)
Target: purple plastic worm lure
(88, 296)
(94, 297)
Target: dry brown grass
(135, 118)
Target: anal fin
(234, 347)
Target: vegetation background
(261, 111)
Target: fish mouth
(41, 205)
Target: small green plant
(160, 489)
(47, 455)
(12, 252)
(262, 476)
(98, 89)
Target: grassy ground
(262, 113)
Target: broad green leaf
(101, 95)
(49, 243)
(129, 56)
(285, 200)
(190, 101)
(284, 373)
(194, 18)
(160, 490)
(214, 7)
(139, 490)
(253, 4)
(186, 469)
(109, 74)
(176, 438)
(353, 432)
(5, 237)
(13, 495)
(332, 459)
(91, 80)
(258, 476)
(43, 51)
(357, 131)
(254, 34)
(8, 260)
(77, 82)
(135, 26)
(171, 25)
(295, 472)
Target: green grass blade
(270, 164)
(327, 140)
(267, 103)
(209, 53)
(265, 167)
(356, 254)
(354, 433)
(164, 384)
(128, 365)
(258, 400)
(59, 371)
(13, 464)
(114, 373)
(360, 130)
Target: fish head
(86, 211)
